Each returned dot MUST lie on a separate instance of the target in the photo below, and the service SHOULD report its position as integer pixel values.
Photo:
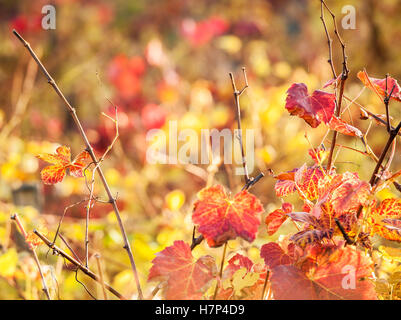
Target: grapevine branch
(393, 132)
(369, 113)
(237, 93)
(91, 152)
(79, 265)
(344, 74)
(249, 181)
(92, 185)
(221, 270)
(21, 228)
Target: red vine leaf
(61, 161)
(314, 109)
(290, 283)
(275, 219)
(187, 278)
(318, 154)
(339, 273)
(284, 187)
(350, 194)
(221, 219)
(379, 85)
(274, 255)
(341, 126)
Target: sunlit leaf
(388, 209)
(339, 273)
(221, 218)
(187, 278)
(314, 109)
(275, 219)
(379, 85)
(341, 126)
(61, 161)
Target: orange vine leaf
(379, 85)
(332, 272)
(61, 161)
(383, 215)
(221, 219)
(187, 278)
(275, 219)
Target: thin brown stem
(265, 285)
(374, 179)
(221, 270)
(344, 75)
(80, 266)
(91, 152)
(196, 240)
(343, 232)
(329, 41)
(249, 181)
(99, 268)
(237, 93)
(92, 186)
(21, 228)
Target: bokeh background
(159, 61)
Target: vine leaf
(314, 109)
(304, 237)
(341, 126)
(305, 179)
(383, 218)
(379, 85)
(242, 279)
(305, 217)
(350, 194)
(274, 255)
(221, 219)
(275, 219)
(61, 161)
(318, 154)
(187, 278)
(332, 272)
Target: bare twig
(344, 75)
(249, 181)
(80, 266)
(196, 241)
(221, 270)
(62, 218)
(392, 135)
(91, 189)
(91, 152)
(329, 41)
(265, 285)
(237, 93)
(99, 267)
(21, 228)
(70, 248)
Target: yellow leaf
(243, 279)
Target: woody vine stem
(89, 148)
